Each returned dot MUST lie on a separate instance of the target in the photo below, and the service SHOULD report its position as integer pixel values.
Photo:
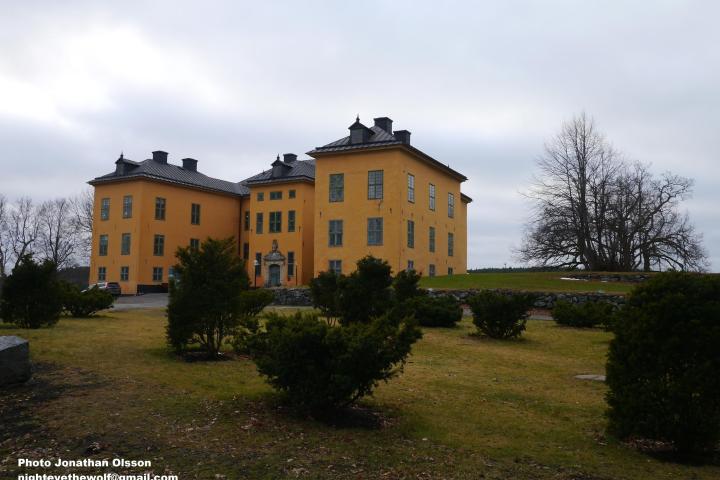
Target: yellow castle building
(369, 193)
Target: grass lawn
(529, 281)
(463, 408)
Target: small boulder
(14, 360)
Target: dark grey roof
(168, 172)
(381, 139)
(294, 171)
(378, 137)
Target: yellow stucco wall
(395, 209)
(300, 241)
(219, 218)
(224, 216)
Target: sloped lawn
(463, 408)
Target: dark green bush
(252, 302)
(584, 315)
(500, 316)
(206, 302)
(326, 289)
(366, 292)
(84, 304)
(319, 366)
(31, 296)
(442, 311)
(406, 286)
(663, 364)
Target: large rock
(14, 360)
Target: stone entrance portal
(274, 267)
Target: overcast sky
(481, 86)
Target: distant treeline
(521, 269)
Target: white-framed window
(335, 266)
(124, 274)
(127, 206)
(411, 234)
(375, 231)
(375, 185)
(411, 188)
(103, 247)
(451, 205)
(337, 187)
(275, 225)
(335, 233)
(102, 274)
(431, 197)
(451, 244)
(105, 209)
(157, 275)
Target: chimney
(289, 157)
(160, 156)
(385, 123)
(190, 164)
(402, 136)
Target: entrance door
(274, 275)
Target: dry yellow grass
(463, 407)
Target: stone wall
(544, 299)
(611, 277)
(292, 297)
(300, 297)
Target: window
(258, 263)
(157, 274)
(159, 245)
(124, 274)
(375, 185)
(451, 205)
(291, 264)
(103, 248)
(431, 193)
(246, 251)
(431, 240)
(337, 187)
(260, 196)
(194, 243)
(195, 214)
(450, 270)
(291, 221)
(171, 273)
(258, 222)
(431, 270)
(102, 274)
(335, 233)
(247, 220)
(127, 206)
(375, 231)
(159, 208)
(411, 188)
(335, 266)
(411, 265)
(451, 244)
(275, 222)
(104, 209)
(277, 195)
(125, 244)
(411, 234)
(291, 193)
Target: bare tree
(58, 235)
(83, 212)
(5, 248)
(591, 209)
(24, 228)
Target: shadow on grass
(358, 416)
(48, 382)
(664, 452)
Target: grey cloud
(480, 84)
